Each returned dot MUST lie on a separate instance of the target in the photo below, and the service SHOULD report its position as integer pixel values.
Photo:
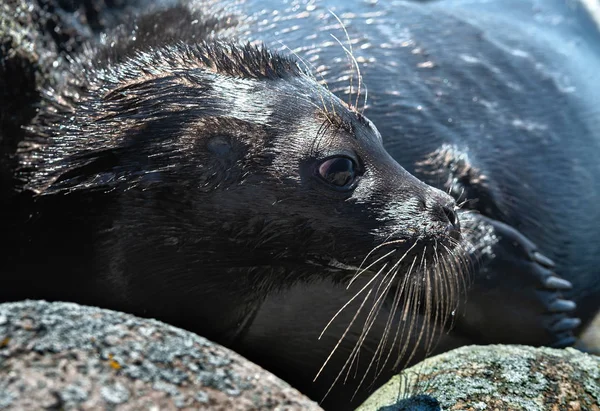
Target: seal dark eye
(338, 171)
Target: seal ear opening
(219, 145)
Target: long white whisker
(363, 270)
(393, 311)
(355, 64)
(371, 319)
(360, 270)
(311, 73)
(351, 322)
(350, 54)
(348, 303)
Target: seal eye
(338, 171)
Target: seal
(220, 188)
(197, 182)
(466, 95)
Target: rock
(35, 38)
(497, 377)
(66, 356)
(28, 59)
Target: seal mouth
(401, 255)
(333, 263)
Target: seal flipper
(452, 169)
(515, 295)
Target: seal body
(219, 187)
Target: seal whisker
(351, 322)
(448, 275)
(370, 320)
(436, 294)
(345, 366)
(324, 82)
(415, 306)
(366, 329)
(351, 59)
(350, 301)
(365, 99)
(396, 297)
(386, 288)
(427, 295)
(376, 358)
(393, 311)
(406, 321)
(445, 292)
(409, 308)
(386, 331)
(344, 335)
(460, 266)
(361, 270)
(379, 304)
(454, 266)
(462, 203)
(405, 296)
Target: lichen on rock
(66, 356)
(499, 377)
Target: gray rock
(35, 37)
(66, 356)
(498, 377)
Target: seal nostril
(453, 229)
(444, 216)
(450, 214)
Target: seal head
(259, 161)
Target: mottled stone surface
(35, 38)
(29, 62)
(498, 377)
(66, 356)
